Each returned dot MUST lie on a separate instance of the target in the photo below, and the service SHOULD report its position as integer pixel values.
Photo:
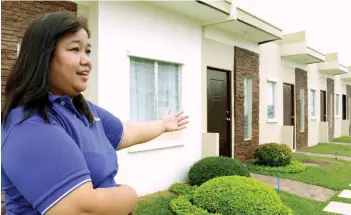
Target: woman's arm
(102, 201)
(141, 132)
(127, 134)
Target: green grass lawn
(332, 174)
(330, 148)
(345, 139)
(157, 204)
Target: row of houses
(239, 78)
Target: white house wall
(271, 69)
(338, 118)
(318, 83)
(139, 29)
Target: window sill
(272, 121)
(247, 140)
(313, 118)
(154, 146)
(338, 117)
(167, 140)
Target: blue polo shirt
(41, 163)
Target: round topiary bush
(273, 154)
(212, 167)
(239, 195)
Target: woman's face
(71, 65)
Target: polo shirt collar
(53, 98)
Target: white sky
(327, 22)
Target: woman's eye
(76, 49)
(88, 52)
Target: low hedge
(293, 168)
(183, 190)
(182, 206)
(229, 195)
(212, 167)
(273, 154)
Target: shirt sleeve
(112, 125)
(43, 162)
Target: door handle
(228, 119)
(293, 117)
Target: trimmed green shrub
(292, 168)
(273, 154)
(182, 206)
(184, 190)
(212, 167)
(229, 195)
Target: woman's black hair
(28, 82)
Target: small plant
(239, 195)
(293, 168)
(212, 167)
(184, 190)
(273, 154)
(182, 206)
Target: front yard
(158, 204)
(330, 148)
(220, 185)
(330, 173)
(344, 139)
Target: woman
(59, 150)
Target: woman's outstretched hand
(174, 121)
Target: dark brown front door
(289, 107)
(289, 110)
(218, 108)
(323, 106)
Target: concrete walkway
(298, 188)
(323, 155)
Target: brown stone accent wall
(330, 91)
(15, 18)
(301, 83)
(348, 97)
(246, 64)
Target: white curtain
(146, 103)
(142, 89)
(168, 88)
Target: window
(247, 108)
(302, 110)
(271, 100)
(155, 86)
(337, 105)
(313, 103)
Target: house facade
(241, 81)
(303, 93)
